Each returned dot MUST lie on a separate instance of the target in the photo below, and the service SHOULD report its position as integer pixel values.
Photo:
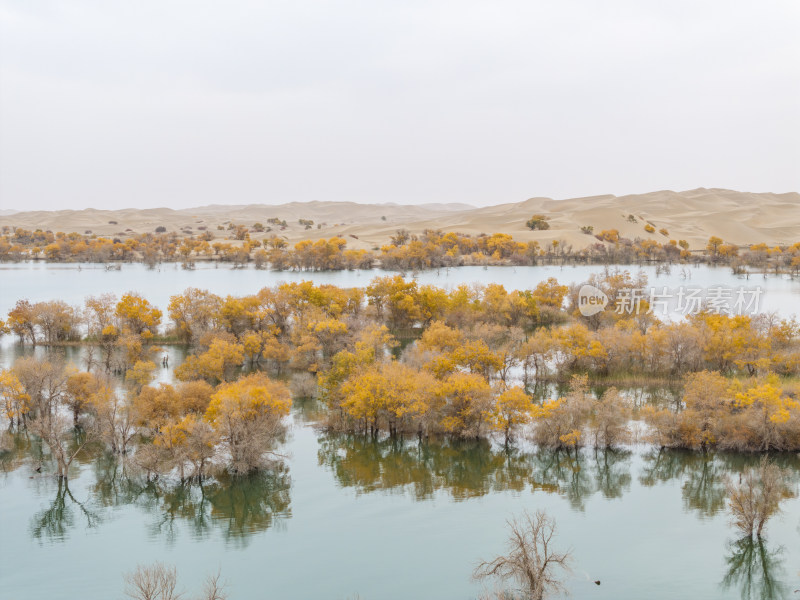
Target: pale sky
(182, 103)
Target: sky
(186, 103)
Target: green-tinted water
(389, 519)
(381, 519)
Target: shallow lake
(381, 519)
(73, 282)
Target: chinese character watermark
(683, 301)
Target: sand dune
(695, 215)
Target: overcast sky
(184, 103)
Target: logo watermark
(679, 301)
(591, 300)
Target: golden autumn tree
(218, 363)
(550, 293)
(464, 404)
(102, 326)
(140, 374)
(707, 398)
(730, 341)
(713, 246)
(389, 394)
(512, 409)
(156, 405)
(194, 312)
(22, 321)
(16, 401)
(248, 416)
(396, 300)
(774, 409)
(138, 315)
(577, 347)
(559, 423)
(373, 344)
(81, 386)
(438, 337)
(189, 441)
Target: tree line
(404, 251)
(395, 358)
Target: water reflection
(16, 449)
(612, 472)
(54, 522)
(704, 474)
(237, 507)
(755, 570)
(468, 469)
(84, 356)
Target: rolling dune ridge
(737, 217)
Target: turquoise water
(390, 520)
(381, 519)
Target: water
(381, 519)
(74, 282)
(389, 520)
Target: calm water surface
(392, 519)
(381, 519)
(73, 282)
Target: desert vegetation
(398, 358)
(158, 581)
(531, 568)
(465, 390)
(403, 251)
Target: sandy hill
(695, 215)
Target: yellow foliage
(249, 399)
(217, 364)
(16, 402)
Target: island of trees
(396, 358)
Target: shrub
(538, 222)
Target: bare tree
(50, 417)
(757, 496)
(159, 582)
(531, 561)
(610, 424)
(213, 589)
(152, 582)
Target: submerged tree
(248, 417)
(160, 582)
(530, 562)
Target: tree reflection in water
(54, 522)
(755, 570)
(703, 474)
(469, 468)
(16, 448)
(236, 506)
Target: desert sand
(737, 217)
